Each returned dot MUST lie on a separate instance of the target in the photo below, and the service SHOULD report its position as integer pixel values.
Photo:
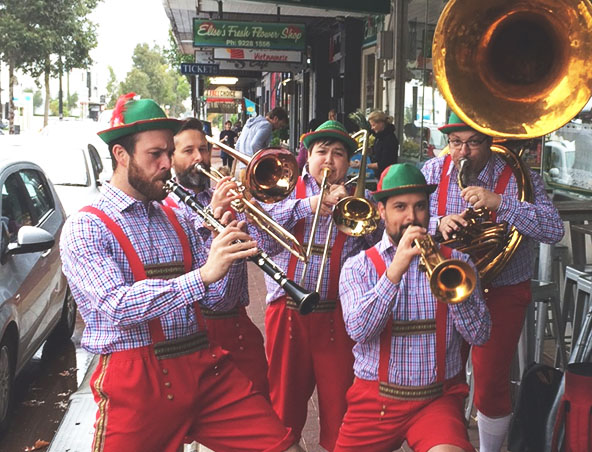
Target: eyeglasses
(472, 144)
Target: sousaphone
(514, 70)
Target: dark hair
(313, 124)
(191, 124)
(127, 142)
(278, 112)
(228, 122)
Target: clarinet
(304, 299)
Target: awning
(367, 6)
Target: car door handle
(46, 253)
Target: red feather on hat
(117, 116)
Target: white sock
(492, 432)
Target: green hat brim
(311, 137)
(115, 133)
(458, 127)
(425, 188)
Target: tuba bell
(512, 70)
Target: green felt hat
(454, 125)
(399, 179)
(136, 115)
(331, 129)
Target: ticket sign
(231, 34)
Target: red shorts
(146, 404)
(492, 361)
(381, 424)
(304, 351)
(239, 335)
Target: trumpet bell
(355, 216)
(452, 281)
(514, 69)
(271, 175)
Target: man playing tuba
(492, 184)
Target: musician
(314, 349)
(139, 273)
(232, 329)
(409, 372)
(493, 185)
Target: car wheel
(65, 328)
(7, 363)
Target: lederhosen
(507, 307)
(308, 350)
(153, 398)
(235, 332)
(382, 415)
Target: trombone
(353, 215)
(271, 173)
(259, 216)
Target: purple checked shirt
(240, 297)
(287, 213)
(368, 301)
(115, 308)
(537, 221)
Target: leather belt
(322, 306)
(209, 314)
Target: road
(42, 392)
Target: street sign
(199, 69)
(245, 68)
(281, 56)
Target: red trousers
(151, 405)
(304, 351)
(492, 361)
(239, 335)
(381, 424)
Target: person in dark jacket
(386, 144)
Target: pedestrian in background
(302, 151)
(386, 144)
(227, 137)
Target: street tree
(152, 77)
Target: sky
(121, 25)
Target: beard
(396, 236)
(152, 189)
(193, 179)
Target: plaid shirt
(538, 220)
(115, 308)
(368, 301)
(240, 298)
(287, 213)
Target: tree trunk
(46, 107)
(11, 96)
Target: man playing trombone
(410, 382)
(232, 329)
(304, 351)
(490, 183)
(139, 273)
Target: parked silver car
(35, 302)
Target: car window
(38, 190)
(15, 211)
(96, 161)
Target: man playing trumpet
(492, 185)
(410, 382)
(304, 351)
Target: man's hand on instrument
(405, 253)
(222, 196)
(449, 224)
(479, 197)
(227, 247)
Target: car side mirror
(30, 239)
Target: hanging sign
(260, 35)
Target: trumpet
(305, 300)
(271, 173)
(259, 217)
(451, 280)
